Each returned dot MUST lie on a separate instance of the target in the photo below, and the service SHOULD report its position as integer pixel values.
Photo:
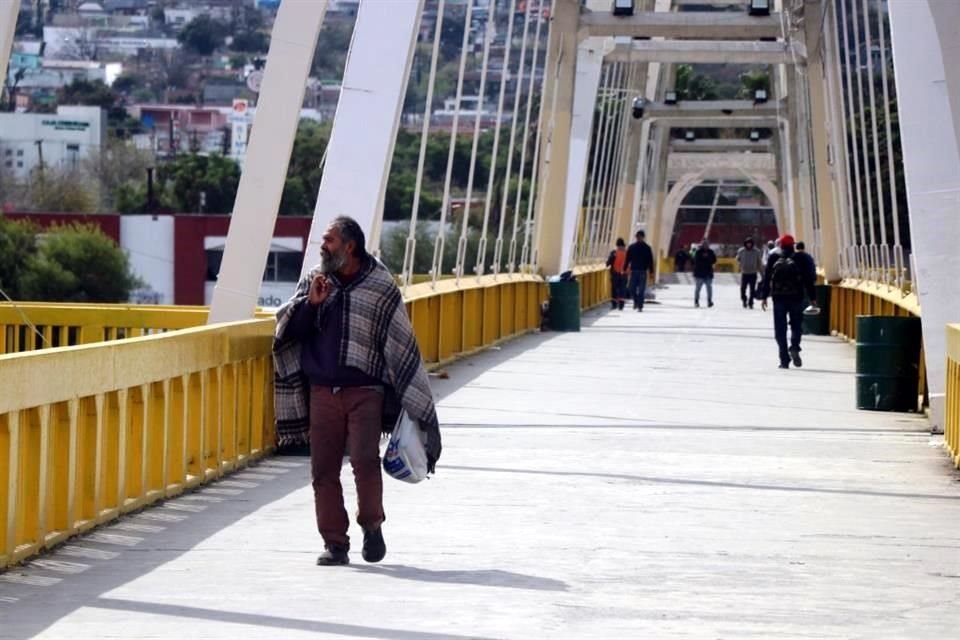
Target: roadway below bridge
(654, 476)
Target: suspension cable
(852, 133)
(481, 95)
(439, 241)
(871, 263)
(410, 249)
(504, 71)
(512, 255)
(891, 172)
(615, 180)
(505, 195)
(597, 136)
(535, 171)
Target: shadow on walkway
(479, 577)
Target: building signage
(66, 125)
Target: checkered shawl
(377, 339)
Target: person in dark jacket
(703, 261)
(790, 278)
(639, 264)
(680, 260)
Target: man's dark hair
(350, 230)
(801, 246)
(641, 234)
(621, 243)
(749, 240)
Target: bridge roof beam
(720, 145)
(708, 52)
(695, 25)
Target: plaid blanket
(377, 339)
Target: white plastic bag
(406, 458)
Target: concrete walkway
(655, 476)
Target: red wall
(190, 259)
(109, 223)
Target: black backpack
(787, 278)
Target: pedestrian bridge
(654, 475)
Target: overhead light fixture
(689, 135)
(623, 7)
(638, 106)
(670, 97)
(759, 8)
(760, 96)
(754, 136)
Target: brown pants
(338, 417)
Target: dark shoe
(709, 304)
(334, 556)
(696, 304)
(795, 356)
(621, 305)
(613, 305)
(784, 365)
(373, 546)
(744, 304)
(639, 308)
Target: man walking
(703, 262)
(789, 277)
(751, 263)
(346, 360)
(617, 263)
(640, 263)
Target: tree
(330, 55)
(304, 171)
(92, 93)
(189, 176)
(202, 35)
(77, 263)
(17, 243)
(115, 165)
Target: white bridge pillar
(925, 47)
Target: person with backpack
(617, 263)
(703, 261)
(790, 277)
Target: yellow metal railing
(90, 432)
(951, 428)
(594, 285)
(94, 430)
(62, 325)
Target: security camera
(638, 106)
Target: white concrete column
(292, 45)
(586, 84)
(368, 113)
(8, 27)
(931, 158)
(554, 145)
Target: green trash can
(565, 305)
(819, 325)
(888, 363)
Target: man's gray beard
(335, 262)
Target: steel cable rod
(584, 213)
(410, 248)
(525, 141)
(440, 241)
(535, 195)
(505, 195)
(481, 94)
(504, 72)
(600, 194)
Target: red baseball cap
(786, 240)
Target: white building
(63, 140)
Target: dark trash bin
(819, 325)
(888, 363)
(565, 305)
